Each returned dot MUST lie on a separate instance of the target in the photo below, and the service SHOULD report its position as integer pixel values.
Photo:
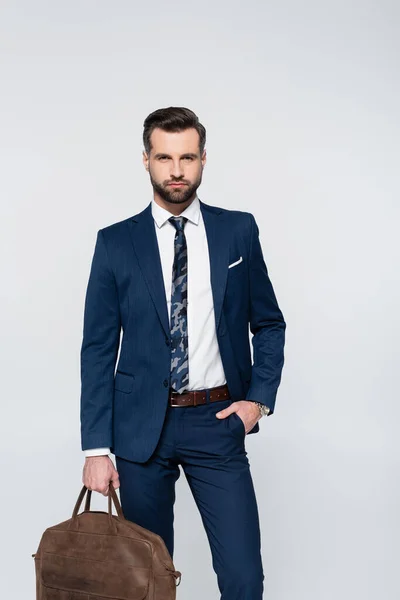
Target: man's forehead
(177, 141)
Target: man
(183, 280)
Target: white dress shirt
(205, 365)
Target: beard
(176, 195)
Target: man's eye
(188, 157)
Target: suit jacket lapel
(145, 244)
(144, 240)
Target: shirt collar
(161, 215)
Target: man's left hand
(247, 411)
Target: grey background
(301, 105)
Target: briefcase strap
(112, 497)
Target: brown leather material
(96, 555)
(196, 397)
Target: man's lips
(177, 184)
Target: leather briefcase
(96, 555)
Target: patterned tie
(179, 334)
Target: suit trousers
(212, 454)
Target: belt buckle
(194, 392)
(172, 395)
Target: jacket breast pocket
(123, 382)
(235, 263)
(236, 269)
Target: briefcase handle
(112, 497)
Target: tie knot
(178, 222)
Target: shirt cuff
(97, 452)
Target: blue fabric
(213, 458)
(124, 402)
(179, 329)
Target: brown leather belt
(195, 397)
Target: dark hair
(173, 118)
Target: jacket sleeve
(267, 326)
(99, 350)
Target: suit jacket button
(165, 382)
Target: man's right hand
(98, 471)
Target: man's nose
(177, 170)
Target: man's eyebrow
(187, 154)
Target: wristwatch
(264, 410)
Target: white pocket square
(235, 263)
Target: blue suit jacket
(124, 408)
